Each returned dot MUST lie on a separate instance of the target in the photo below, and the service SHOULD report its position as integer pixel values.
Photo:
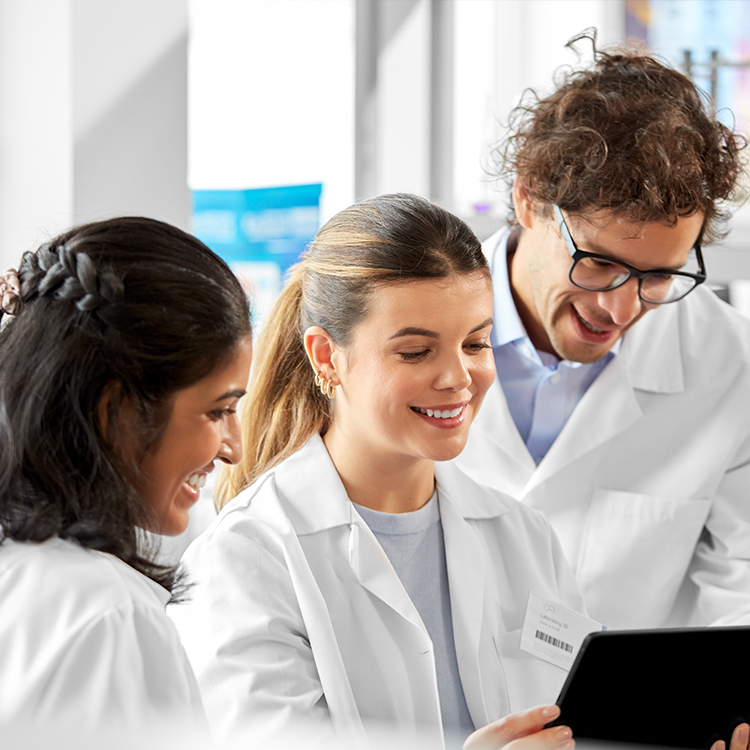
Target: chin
(579, 352)
(448, 452)
(174, 526)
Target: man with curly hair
(622, 404)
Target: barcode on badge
(554, 641)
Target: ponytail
(283, 409)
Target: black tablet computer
(676, 688)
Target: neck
(523, 296)
(382, 481)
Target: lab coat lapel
(649, 360)
(327, 505)
(374, 571)
(467, 576)
(495, 448)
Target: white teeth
(196, 481)
(445, 414)
(590, 327)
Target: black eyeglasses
(598, 273)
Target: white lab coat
(85, 645)
(648, 484)
(296, 611)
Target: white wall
(272, 96)
(93, 103)
(403, 103)
(130, 109)
(36, 124)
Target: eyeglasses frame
(576, 254)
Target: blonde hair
(384, 240)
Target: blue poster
(259, 232)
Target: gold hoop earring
(327, 388)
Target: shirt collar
(507, 322)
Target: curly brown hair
(629, 135)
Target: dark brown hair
(132, 302)
(629, 135)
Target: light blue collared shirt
(541, 390)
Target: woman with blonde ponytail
(355, 576)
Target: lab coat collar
(653, 351)
(650, 360)
(480, 503)
(310, 474)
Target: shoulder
(66, 596)
(300, 496)
(79, 580)
(705, 324)
(75, 608)
(250, 533)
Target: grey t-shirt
(415, 546)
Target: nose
(454, 374)
(230, 449)
(623, 304)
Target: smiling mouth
(438, 414)
(589, 326)
(196, 481)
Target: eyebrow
(606, 254)
(410, 331)
(239, 393)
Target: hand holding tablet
(525, 730)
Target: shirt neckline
(413, 522)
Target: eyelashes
(218, 414)
(474, 348)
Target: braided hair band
(10, 292)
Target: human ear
(107, 411)
(322, 353)
(524, 206)
(118, 420)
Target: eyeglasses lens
(598, 275)
(665, 287)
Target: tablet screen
(677, 688)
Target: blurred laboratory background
(252, 121)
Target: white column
(36, 124)
(403, 97)
(130, 109)
(93, 115)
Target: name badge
(554, 632)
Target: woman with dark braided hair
(124, 349)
